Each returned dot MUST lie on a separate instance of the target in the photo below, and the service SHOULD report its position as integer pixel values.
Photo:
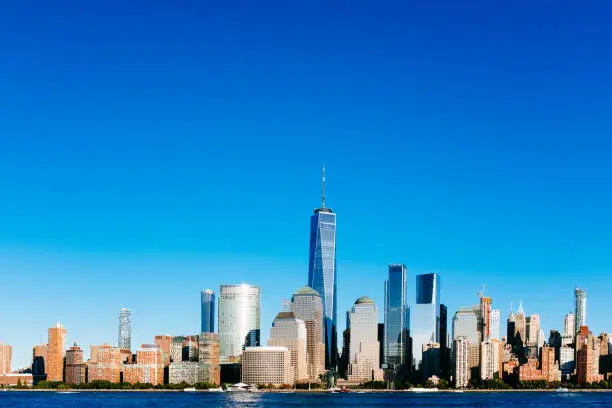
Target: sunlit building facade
(396, 316)
(239, 320)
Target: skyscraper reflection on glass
(396, 324)
(322, 273)
(425, 315)
(208, 311)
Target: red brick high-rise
(75, 367)
(55, 353)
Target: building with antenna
(322, 272)
(125, 329)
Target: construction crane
(482, 290)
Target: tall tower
(239, 320)
(208, 311)
(363, 344)
(425, 315)
(125, 329)
(396, 318)
(322, 272)
(55, 354)
(306, 304)
(6, 354)
(581, 298)
(569, 328)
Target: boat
(67, 392)
(562, 389)
(334, 390)
(423, 390)
(459, 391)
(189, 389)
(252, 388)
(218, 389)
(239, 387)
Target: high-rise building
(39, 358)
(189, 372)
(461, 372)
(444, 356)
(425, 315)
(164, 343)
(306, 304)
(363, 364)
(105, 363)
(581, 299)
(239, 320)
(75, 367)
(148, 369)
(554, 340)
(431, 360)
(396, 318)
(570, 325)
(495, 324)
(125, 329)
(208, 311)
(465, 324)
(520, 328)
(55, 354)
(587, 356)
(267, 365)
(209, 357)
(605, 363)
(485, 317)
(534, 328)
(490, 359)
(322, 272)
(288, 331)
(566, 359)
(6, 356)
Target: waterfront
(297, 400)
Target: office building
(567, 361)
(208, 349)
(587, 356)
(39, 358)
(363, 363)
(105, 363)
(6, 356)
(289, 331)
(125, 329)
(485, 317)
(267, 365)
(425, 315)
(554, 340)
(570, 325)
(550, 366)
(75, 366)
(534, 328)
(239, 320)
(322, 272)
(461, 372)
(495, 321)
(55, 353)
(520, 326)
(148, 368)
(164, 343)
(444, 350)
(395, 319)
(490, 359)
(465, 324)
(208, 311)
(580, 297)
(431, 361)
(187, 371)
(307, 305)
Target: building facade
(187, 372)
(6, 357)
(587, 357)
(307, 305)
(490, 359)
(570, 325)
(363, 362)
(461, 372)
(105, 363)
(55, 353)
(534, 329)
(465, 324)
(209, 356)
(567, 360)
(125, 329)
(239, 320)
(39, 358)
(580, 298)
(267, 365)
(396, 318)
(208, 311)
(289, 331)
(495, 320)
(75, 366)
(425, 316)
(148, 368)
(322, 274)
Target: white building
(239, 320)
(364, 348)
(267, 365)
(125, 329)
(534, 328)
(288, 331)
(581, 299)
(461, 373)
(490, 355)
(495, 323)
(567, 363)
(570, 325)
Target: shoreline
(356, 391)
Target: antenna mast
(323, 188)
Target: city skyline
(470, 142)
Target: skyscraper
(534, 328)
(461, 370)
(322, 272)
(6, 355)
(587, 356)
(465, 324)
(363, 345)
(425, 315)
(208, 350)
(396, 318)
(125, 329)
(495, 324)
(239, 320)
(581, 299)
(306, 304)
(520, 328)
(444, 356)
(208, 311)
(288, 331)
(570, 325)
(55, 354)
(75, 367)
(485, 317)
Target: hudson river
(297, 400)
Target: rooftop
(364, 300)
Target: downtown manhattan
(415, 344)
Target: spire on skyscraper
(323, 188)
(520, 308)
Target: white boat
(334, 390)
(240, 387)
(67, 392)
(423, 390)
(189, 389)
(562, 389)
(218, 389)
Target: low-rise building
(14, 379)
(149, 367)
(267, 365)
(188, 372)
(75, 369)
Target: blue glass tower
(322, 273)
(208, 311)
(396, 319)
(425, 315)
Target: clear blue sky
(153, 149)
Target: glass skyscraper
(396, 325)
(581, 298)
(239, 320)
(322, 273)
(125, 329)
(425, 315)
(208, 311)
